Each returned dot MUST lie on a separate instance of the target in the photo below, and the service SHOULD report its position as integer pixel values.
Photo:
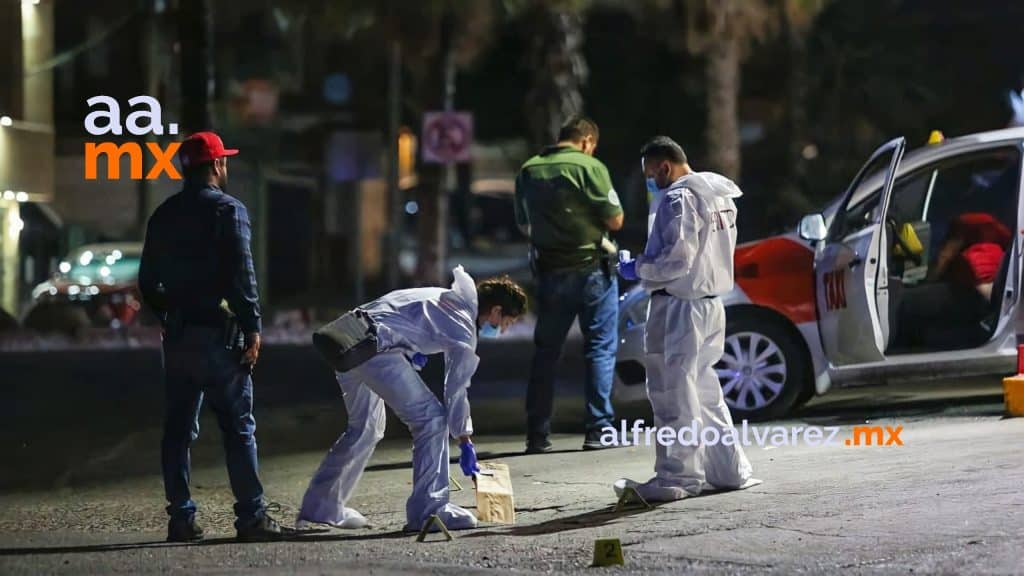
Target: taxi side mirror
(813, 228)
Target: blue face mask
(490, 331)
(652, 186)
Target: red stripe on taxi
(778, 273)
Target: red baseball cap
(201, 148)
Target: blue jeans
(593, 296)
(198, 366)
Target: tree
(722, 31)
(195, 29)
(555, 64)
(795, 20)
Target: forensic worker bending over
(377, 349)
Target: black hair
(578, 127)
(501, 291)
(663, 148)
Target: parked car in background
(826, 305)
(95, 285)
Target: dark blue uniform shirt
(197, 254)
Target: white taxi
(844, 301)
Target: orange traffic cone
(1013, 386)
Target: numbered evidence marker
(629, 497)
(494, 501)
(608, 552)
(434, 520)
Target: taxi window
(909, 195)
(985, 182)
(982, 182)
(861, 212)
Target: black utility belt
(213, 318)
(348, 341)
(663, 292)
(602, 261)
(176, 321)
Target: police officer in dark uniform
(197, 275)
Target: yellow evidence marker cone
(1013, 386)
(631, 496)
(608, 552)
(434, 519)
(1013, 394)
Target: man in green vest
(566, 205)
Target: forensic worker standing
(195, 259)
(686, 265)
(565, 204)
(377, 349)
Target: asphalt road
(949, 500)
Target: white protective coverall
(689, 254)
(424, 320)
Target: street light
(6, 121)
(21, 196)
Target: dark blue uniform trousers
(197, 365)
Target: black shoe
(184, 530)
(266, 529)
(592, 441)
(538, 446)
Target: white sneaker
(352, 520)
(750, 483)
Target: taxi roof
(918, 157)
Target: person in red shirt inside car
(973, 253)
(946, 312)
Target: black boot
(266, 529)
(538, 445)
(184, 530)
(592, 441)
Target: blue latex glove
(467, 460)
(627, 269)
(418, 361)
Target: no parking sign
(447, 137)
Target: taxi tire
(798, 387)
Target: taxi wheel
(764, 371)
